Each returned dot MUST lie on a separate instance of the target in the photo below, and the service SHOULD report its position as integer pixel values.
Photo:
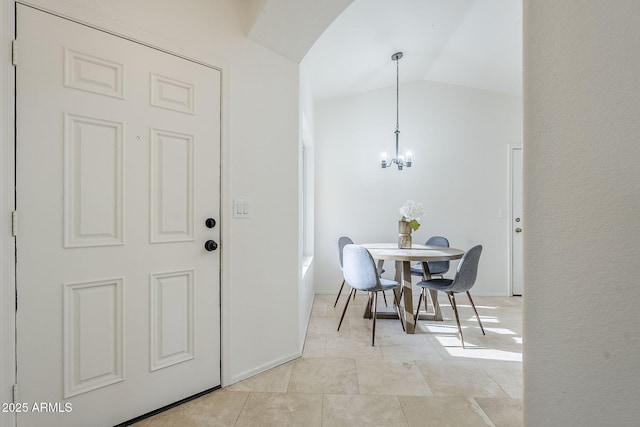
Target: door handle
(518, 230)
(210, 245)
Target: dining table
(403, 258)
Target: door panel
(118, 167)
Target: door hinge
(15, 393)
(14, 52)
(14, 223)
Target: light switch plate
(241, 208)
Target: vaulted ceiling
(347, 45)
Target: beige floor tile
(326, 298)
(364, 411)
(315, 346)
(412, 349)
(498, 344)
(442, 412)
(384, 328)
(450, 349)
(342, 380)
(327, 326)
(391, 377)
(438, 329)
(217, 409)
(319, 309)
(327, 375)
(352, 347)
(355, 310)
(459, 378)
(503, 412)
(273, 380)
(507, 374)
(281, 410)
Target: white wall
(582, 203)
(260, 272)
(306, 230)
(460, 138)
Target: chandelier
(405, 158)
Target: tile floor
(425, 379)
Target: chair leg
(339, 292)
(385, 299)
(415, 318)
(474, 309)
(375, 314)
(452, 298)
(345, 307)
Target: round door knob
(518, 230)
(210, 245)
(210, 222)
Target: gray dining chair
(436, 268)
(463, 281)
(361, 274)
(342, 242)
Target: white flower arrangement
(411, 212)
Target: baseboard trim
(262, 368)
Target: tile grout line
(241, 409)
(476, 407)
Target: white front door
(118, 170)
(517, 223)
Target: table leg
(436, 305)
(367, 308)
(409, 322)
(398, 275)
(437, 313)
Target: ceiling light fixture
(406, 158)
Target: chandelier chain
(398, 95)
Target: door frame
(512, 148)
(7, 173)
(7, 205)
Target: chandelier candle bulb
(408, 157)
(383, 158)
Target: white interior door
(517, 223)
(118, 169)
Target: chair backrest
(342, 242)
(438, 267)
(359, 268)
(438, 241)
(467, 270)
